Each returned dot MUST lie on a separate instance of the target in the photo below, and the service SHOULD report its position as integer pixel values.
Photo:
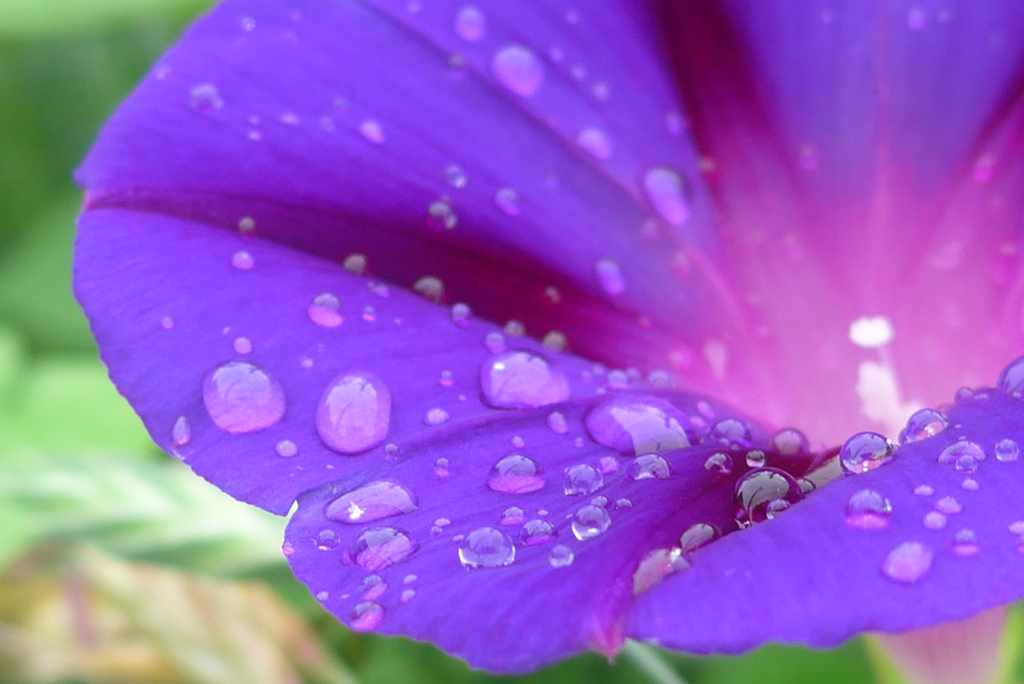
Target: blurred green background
(116, 564)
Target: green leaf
(33, 18)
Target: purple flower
(316, 234)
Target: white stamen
(880, 397)
(871, 332)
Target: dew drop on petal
(667, 192)
(730, 431)
(470, 23)
(242, 345)
(1007, 450)
(561, 556)
(718, 464)
(372, 131)
(908, 562)
(181, 432)
(922, 425)
(864, 452)
(649, 466)
(325, 310)
(242, 260)
(286, 448)
(924, 490)
(430, 288)
(582, 479)
(516, 474)
(762, 493)
(639, 424)
(755, 458)
(696, 537)
(654, 567)
(507, 200)
(948, 505)
(557, 423)
(241, 398)
(486, 547)
(1011, 380)
(537, 532)
(934, 520)
(590, 521)
(456, 176)
(594, 141)
(371, 502)
(407, 595)
(868, 510)
(513, 515)
(327, 540)
(964, 455)
(355, 263)
(205, 98)
(354, 412)
(1016, 527)
(373, 587)
(380, 547)
(609, 276)
(522, 379)
(365, 616)
(608, 465)
(461, 314)
(965, 543)
(517, 68)
(436, 416)
(442, 467)
(791, 442)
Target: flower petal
(832, 566)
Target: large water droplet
(864, 452)
(649, 466)
(380, 547)
(590, 521)
(762, 493)
(518, 69)
(667, 192)
(486, 547)
(325, 310)
(354, 412)
(922, 425)
(1007, 450)
(205, 98)
(639, 424)
(868, 510)
(371, 502)
(181, 432)
(365, 616)
(1011, 380)
(696, 537)
(908, 562)
(470, 23)
(536, 532)
(964, 455)
(522, 379)
(516, 474)
(242, 398)
(582, 479)
(561, 556)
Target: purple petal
(840, 563)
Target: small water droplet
(371, 502)
(667, 193)
(965, 543)
(590, 521)
(441, 216)
(718, 464)
(242, 260)
(948, 505)
(372, 131)
(517, 68)
(461, 314)
(582, 479)
(610, 277)
(241, 398)
(436, 416)
(365, 616)
(287, 548)
(791, 442)
(354, 412)
(864, 452)
(594, 141)
(561, 556)
(970, 485)
(1016, 527)
(557, 423)
(181, 432)
(430, 288)
(908, 562)
(325, 310)
(242, 345)
(924, 490)
(649, 466)
(455, 176)
(486, 547)
(442, 467)
(1007, 450)
(516, 474)
(757, 490)
(205, 98)
(522, 379)
(922, 425)
(327, 540)
(380, 547)
(933, 520)
(167, 322)
(1011, 380)
(696, 537)
(868, 510)
(964, 455)
(373, 587)
(470, 23)
(755, 458)
(407, 595)
(639, 424)
(654, 567)
(537, 532)
(507, 200)
(355, 263)
(513, 515)
(730, 431)
(286, 448)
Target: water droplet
(181, 432)
(755, 458)
(908, 562)
(242, 260)
(933, 520)
(964, 455)
(286, 448)
(242, 398)
(407, 595)
(371, 502)
(167, 322)
(517, 68)
(372, 131)
(582, 479)
(365, 616)
(516, 474)
(970, 485)
(965, 543)
(922, 425)
(522, 379)
(594, 141)
(325, 310)
(455, 176)
(513, 515)
(1016, 527)
(667, 192)
(924, 490)
(436, 416)
(791, 442)
(430, 288)
(470, 23)
(1007, 450)
(868, 510)
(718, 464)
(461, 314)
(380, 547)
(1011, 380)
(242, 345)
(536, 532)
(441, 216)
(948, 505)
(355, 263)
(590, 521)
(515, 328)
(639, 424)
(354, 412)
(610, 277)
(557, 423)
(327, 540)
(373, 587)
(555, 340)
(561, 556)
(757, 490)
(654, 567)
(730, 431)
(864, 452)
(649, 466)
(287, 548)
(205, 98)
(507, 200)
(486, 547)
(696, 537)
